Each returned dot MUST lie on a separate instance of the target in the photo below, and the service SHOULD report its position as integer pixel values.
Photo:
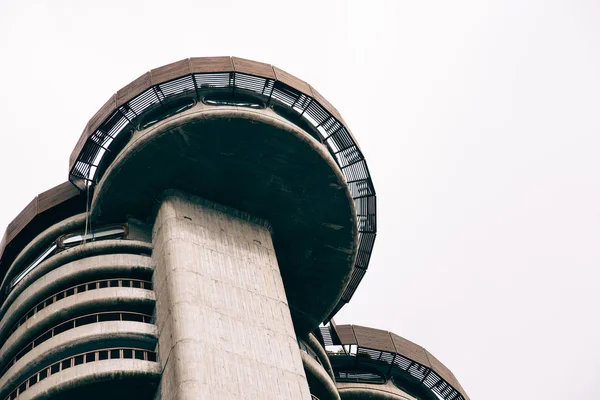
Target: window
(34, 264)
(75, 239)
(71, 240)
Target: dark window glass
(103, 355)
(66, 364)
(151, 356)
(114, 354)
(136, 284)
(114, 283)
(23, 388)
(81, 289)
(133, 317)
(78, 360)
(70, 292)
(42, 338)
(126, 283)
(63, 327)
(90, 357)
(109, 317)
(127, 353)
(33, 380)
(43, 374)
(55, 368)
(139, 354)
(103, 284)
(60, 296)
(88, 319)
(92, 286)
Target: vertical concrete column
(225, 330)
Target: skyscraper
(218, 214)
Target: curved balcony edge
(320, 383)
(314, 344)
(100, 299)
(52, 278)
(102, 372)
(84, 251)
(79, 340)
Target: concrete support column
(225, 330)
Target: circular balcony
(172, 90)
(366, 359)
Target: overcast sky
(479, 120)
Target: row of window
(83, 287)
(93, 356)
(71, 240)
(74, 323)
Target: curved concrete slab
(102, 379)
(107, 299)
(257, 162)
(73, 254)
(75, 341)
(82, 270)
(314, 344)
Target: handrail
(80, 288)
(71, 324)
(83, 358)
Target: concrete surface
(107, 379)
(99, 300)
(75, 341)
(76, 253)
(225, 330)
(61, 277)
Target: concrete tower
(218, 212)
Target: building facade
(218, 214)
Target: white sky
(479, 122)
